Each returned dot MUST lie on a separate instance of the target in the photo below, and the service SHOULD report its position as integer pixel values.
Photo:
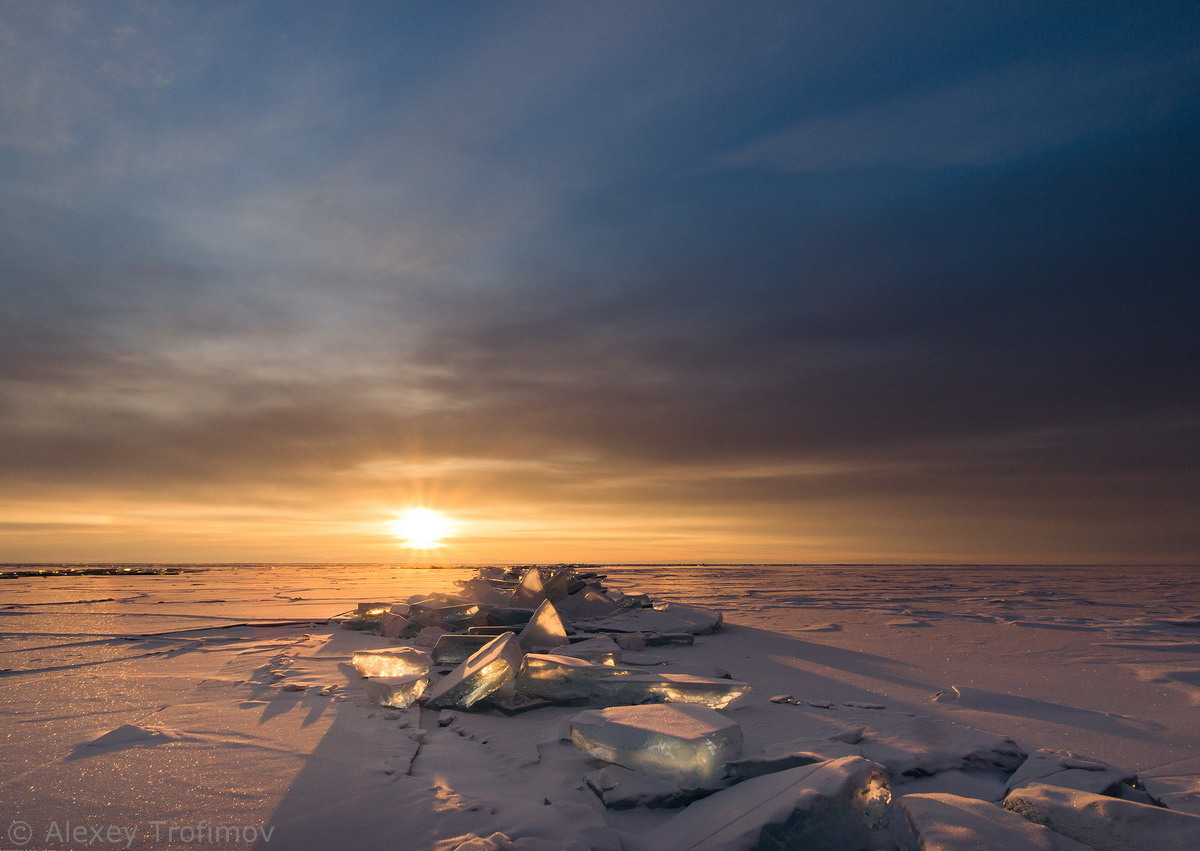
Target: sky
(806, 281)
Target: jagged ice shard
(529, 591)
(493, 665)
(397, 692)
(686, 743)
(391, 662)
(545, 629)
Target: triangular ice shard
(545, 629)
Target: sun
(422, 528)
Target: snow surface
(222, 697)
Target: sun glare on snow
(422, 528)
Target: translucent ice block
(454, 649)
(490, 667)
(562, 677)
(391, 662)
(712, 692)
(545, 629)
(450, 616)
(685, 743)
(601, 650)
(397, 692)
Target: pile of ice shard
(512, 640)
(514, 647)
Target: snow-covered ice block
(397, 692)
(588, 603)
(920, 747)
(942, 822)
(713, 692)
(545, 629)
(685, 743)
(785, 755)
(828, 806)
(454, 648)
(600, 650)
(490, 667)
(1104, 823)
(622, 789)
(1177, 785)
(1062, 768)
(391, 662)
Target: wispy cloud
(1015, 112)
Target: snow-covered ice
(943, 822)
(1104, 823)
(226, 694)
(829, 806)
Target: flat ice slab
(558, 677)
(397, 692)
(490, 667)
(456, 648)
(686, 743)
(391, 662)
(671, 617)
(713, 692)
(941, 822)
(829, 806)
(1103, 823)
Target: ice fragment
(454, 649)
(682, 742)
(486, 670)
(397, 692)
(391, 662)
(713, 692)
(1103, 823)
(545, 629)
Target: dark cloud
(878, 265)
